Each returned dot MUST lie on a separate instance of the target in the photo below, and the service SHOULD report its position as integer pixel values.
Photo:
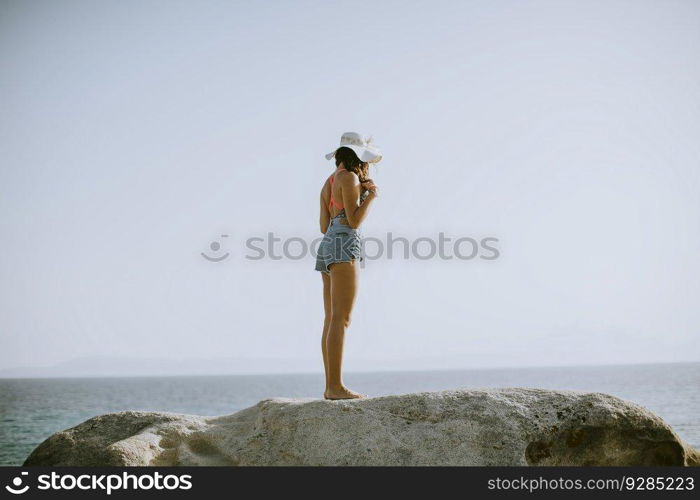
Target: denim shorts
(341, 243)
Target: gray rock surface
(461, 427)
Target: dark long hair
(352, 163)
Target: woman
(345, 200)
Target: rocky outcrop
(462, 427)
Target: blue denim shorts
(341, 243)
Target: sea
(33, 409)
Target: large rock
(465, 427)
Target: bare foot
(342, 393)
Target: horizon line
(272, 374)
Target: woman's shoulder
(347, 177)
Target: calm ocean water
(32, 409)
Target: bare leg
(343, 292)
(326, 319)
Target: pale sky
(133, 134)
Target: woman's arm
(350, 190)
(325, 216)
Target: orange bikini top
(332, 201)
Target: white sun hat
(363, 146)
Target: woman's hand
(370, 186)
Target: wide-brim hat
(363, 147)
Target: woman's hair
(352, 163)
